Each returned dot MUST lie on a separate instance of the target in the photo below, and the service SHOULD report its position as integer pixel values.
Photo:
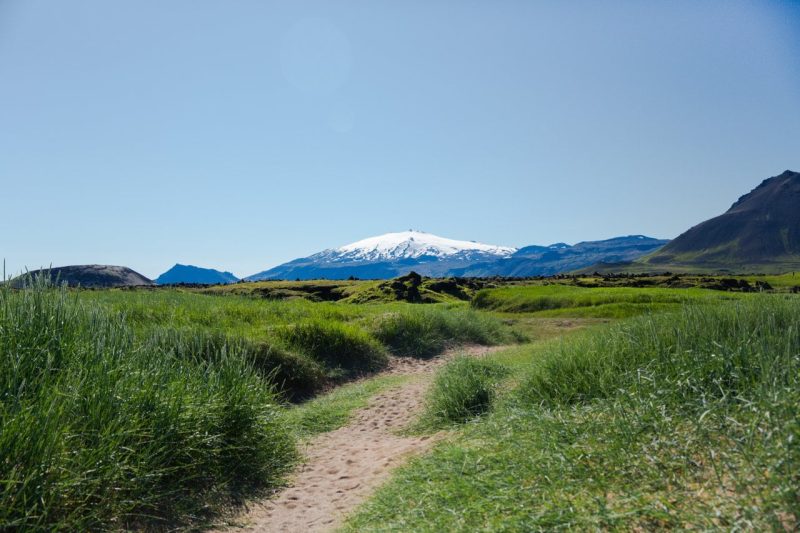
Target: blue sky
(239, 135)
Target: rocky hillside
(88, 276)
(760, 232)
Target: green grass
(558, 300)
(104, 429)
(335, 344)
(678, 420)
(124, 409)
(307, 346)
(425, 331)
(464, 389)
(430, 290)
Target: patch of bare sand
(343, 467)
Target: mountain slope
(761, 231)
(388, 256)
(90, 276)
(395, 254)
(560, 257)
(192, 274)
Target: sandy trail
(343, 467)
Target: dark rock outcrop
(87, 276)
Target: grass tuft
(464, 389)
(423, 332)
(335, 344)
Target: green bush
(463, 389)
(335, 344)
(102, 430)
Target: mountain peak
(414, 244)
(192, 274)
(761, 229)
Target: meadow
(128, 409)
(570, 300)
(686, 419)
(616, 407)
(304, 346)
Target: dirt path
(343, 467)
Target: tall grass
(422, 332)
(709, 393)
(737, 353)
(464, 389)
(101, 429)
(680, 421)
(543, 298)
(309, 345)
(336, 344)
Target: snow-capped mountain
(389, 255)
(395, 254)
(412, 244)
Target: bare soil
(343, 467)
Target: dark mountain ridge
(559, 258)
(761, 228)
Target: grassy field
(681, 420)
(161, 408)
(563, 300)
(305, 346)
(139, 409)
(106, 429)
(406, 288)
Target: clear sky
(239, 135)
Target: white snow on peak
(412, 244)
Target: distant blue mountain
(560, 258)
(396, 254)
(192, 274)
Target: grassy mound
(295, 377)
(336, 344)
(100, 429)
(463, 389)
(422, 332)
(304, 346)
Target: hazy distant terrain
(192, 274)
